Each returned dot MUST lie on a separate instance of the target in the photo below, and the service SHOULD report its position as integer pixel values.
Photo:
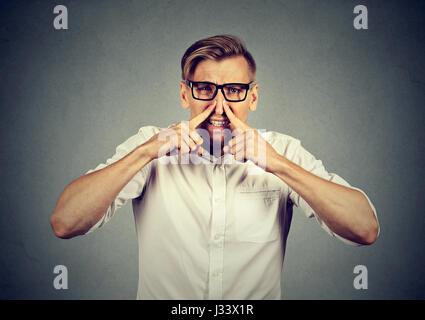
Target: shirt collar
(224, 159)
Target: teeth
(218, 123)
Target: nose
(219, 106)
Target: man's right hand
(181, 138)
(86, 199)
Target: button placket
(217, 232)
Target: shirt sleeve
(135, 186)
(294, 151)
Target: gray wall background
(354, 98)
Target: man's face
(228, 70)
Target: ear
(184, 95)
(253, 97)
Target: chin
(220, 136)
(217, 140)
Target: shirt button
(217, 236)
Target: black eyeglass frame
(247, 86)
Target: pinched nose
(219, 109)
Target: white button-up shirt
(214, 228)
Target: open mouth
(219, 123)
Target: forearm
(85, 200)
(344, 210)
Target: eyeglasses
(232, 92)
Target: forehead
(227, 70)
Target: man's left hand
(247, 143)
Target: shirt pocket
(256, 215)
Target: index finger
(196, 121)
(233, 119)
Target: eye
(204, 87)
(234, 90)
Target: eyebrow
(223, 83)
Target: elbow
(59, 227)
(369, 221)
(371, 234)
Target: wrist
(145, 152)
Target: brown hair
(215, 48)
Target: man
(212, 197)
